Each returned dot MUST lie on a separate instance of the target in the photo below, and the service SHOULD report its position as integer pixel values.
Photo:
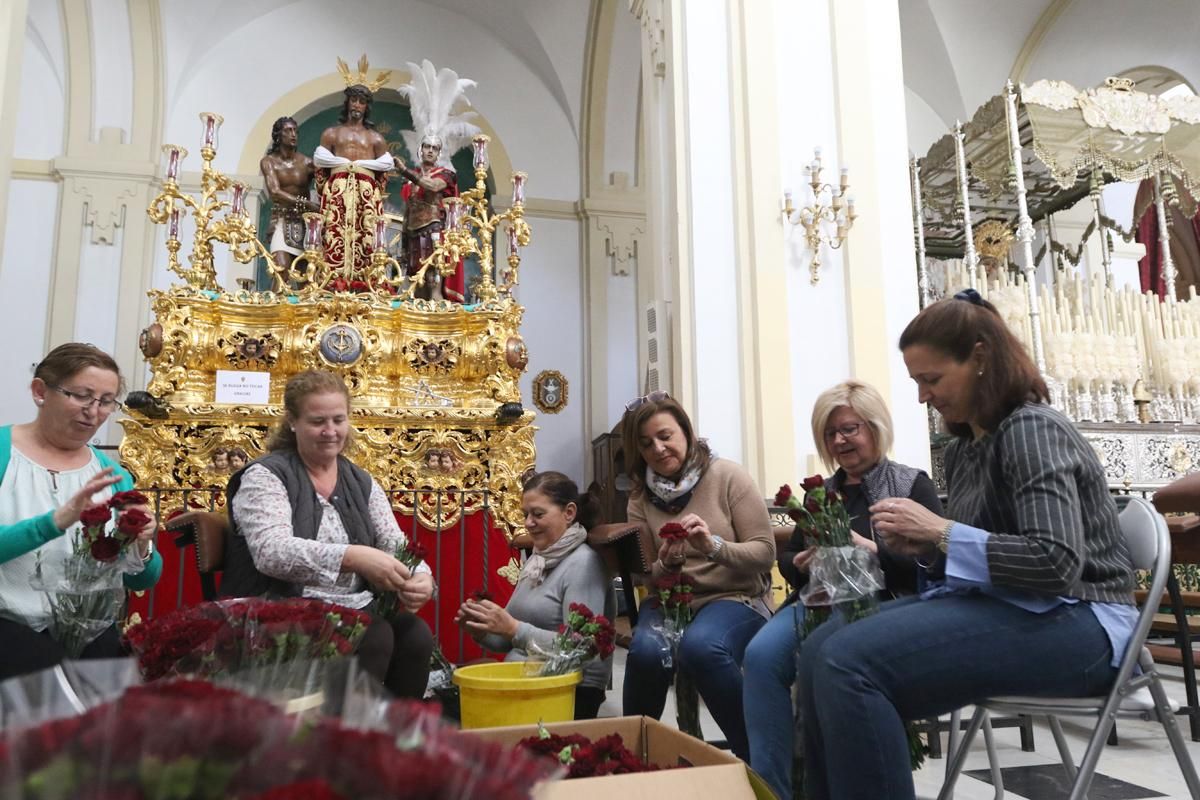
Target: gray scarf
(885, 479)
(542, 561)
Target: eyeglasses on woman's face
(106, 405)
(848, 431)
(653, 397)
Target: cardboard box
(711, 772)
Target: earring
(980, 373)
(39, 401)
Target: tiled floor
(1143, 759)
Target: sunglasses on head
(653, 397)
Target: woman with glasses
(852, 429)
(50, 476)
(1030, 586)
(726, 558)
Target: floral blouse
(264, 516)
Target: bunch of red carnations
(584, 757)
(584, 636)
(225, 636)
(195, 740)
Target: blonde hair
(861, 398)
(300, 386)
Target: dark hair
(67, 360)
(954, 326)
(277, 133)
(362, 93)
(561, 490)
(299, 387)
(698, 453)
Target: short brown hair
(561, 490)
(68, 360)
(300, 386)
(1010, 379)
(698, 453)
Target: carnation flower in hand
(105, 548)
(132, 521)
(128, 498)
(672, 532)
(95, 517)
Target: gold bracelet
(944, 541)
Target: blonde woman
(852, 430)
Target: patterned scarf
(542, 561)
(670, 496)
(885, 479)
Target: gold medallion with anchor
(341, 344)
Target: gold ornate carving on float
(434, 384)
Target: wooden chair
(207, 531)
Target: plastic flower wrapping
(839, 572)
(226, 636)
(76, 732)
(84, 586)
(584, 636)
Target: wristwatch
(718, 545)
(944, 542)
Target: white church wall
(819, 353)
(621, 108)
(24, 290)
(40, 111)
(551, 290)
(533, 126)
(112, 67)
(715, 331)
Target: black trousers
(588, 700)
(397, 654)
(24, 650)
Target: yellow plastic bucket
(492, 695)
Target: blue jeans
(770, 671)
(710, 653)
(916, 659)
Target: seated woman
(562, 570)
(1031, 583)
(852, 428)
(726, 558)
(50, 475)
(307, 522)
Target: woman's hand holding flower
(417, 590)
(480, 617)
(68, 513)
(907, 527)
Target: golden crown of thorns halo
(361, 78)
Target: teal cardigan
(27, 535)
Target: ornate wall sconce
(827, 219)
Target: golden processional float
(436, 407)
(1123, 364)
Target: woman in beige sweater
(726, 558)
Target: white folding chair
(1138, 696)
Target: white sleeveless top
(30, 490)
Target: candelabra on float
(234, 229)
(817, 217)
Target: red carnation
(132, 521)
(417, 551)
(96, 516)
(129, 498)
(783, 495)
(106, 548)
(812, 482)
(672, 532)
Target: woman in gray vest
(852, 429)
(306, 522)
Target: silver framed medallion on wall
(550, 391)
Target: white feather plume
(439, 106)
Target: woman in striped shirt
(1028, 585)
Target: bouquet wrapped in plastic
(198, 740)
(84, 586)
(839, 573)
(225, 636)
(584, 636)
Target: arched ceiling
(959, 53)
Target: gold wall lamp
(827, 219)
